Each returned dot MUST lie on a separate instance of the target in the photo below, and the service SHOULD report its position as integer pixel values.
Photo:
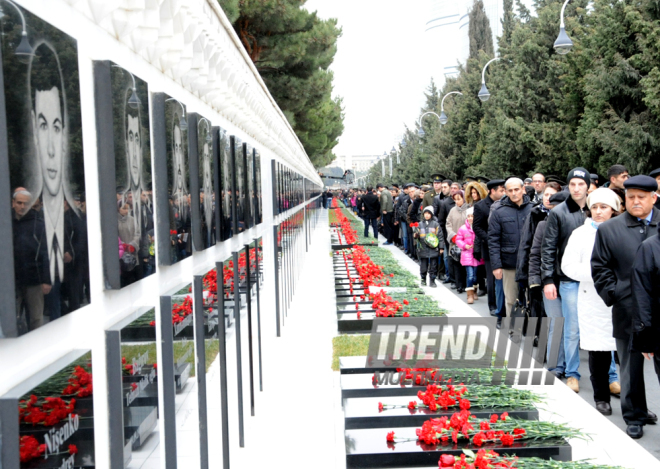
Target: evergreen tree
(480, 34)
(292, 50)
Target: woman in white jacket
(594, 317)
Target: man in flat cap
(655, 174)
(401, 214)
(617, 242)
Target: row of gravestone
(51, 414)
(373, 409)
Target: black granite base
(363, 413)
(349, 323)
(361, 385)
(139, 423)
(369, 448)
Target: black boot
(423, 280)
(432, 284)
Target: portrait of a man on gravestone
(207, 189)
(180, 219)
(133, 175)
(49, 180)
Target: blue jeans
(374, 223)
(569, 297)
(471, 276)
(499, 297)
(553, 310)
(404, 235)
(614, 377)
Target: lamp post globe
(443, 118)
(484, 94)
(421, 133)
(563, 44)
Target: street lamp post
(563, 44)
(484, 94)
(24, 51)
(421, 132)
(443, 116)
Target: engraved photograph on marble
(239, 185)
(47, 421)
(226, 175)
(207, 172)
(248, 159)
(178, 177)
(135, 209)
(43, 157)
(258, 205)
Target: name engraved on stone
(57, 436)
(68, 463)
(144, 382)
(139, 362)
(182, 325)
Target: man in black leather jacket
(480, 227)
(562, 220)
(617, 243)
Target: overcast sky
(379, 69)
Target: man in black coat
(557, 287)
(370, 210)
(401, 214)
(617, 242)
(31, 266)
(480, 227)
(656, 175)
(445, 207)
(504, 227)
(646, 298)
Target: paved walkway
(298, 420)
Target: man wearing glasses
(538, 182)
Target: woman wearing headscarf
(594, 317)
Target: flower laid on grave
(29, 448)
(80, 384)
(48, 411)
(438, 398)
(487, 459)
(181, 311)
(502, 430)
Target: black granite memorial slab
(364, 413)
(366, 384)
(132, 370)
(369, 448)
(349, 322)
(41, 422)
(42, 175)
(125, 185)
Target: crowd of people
(584, 249)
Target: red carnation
(73, 449)
(390, 437)
(507, 439)
(447, 460)
(493, 418)
(380, 407)
(504, 416)
(406, 315)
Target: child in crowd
(465, 241)
(429, 245)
